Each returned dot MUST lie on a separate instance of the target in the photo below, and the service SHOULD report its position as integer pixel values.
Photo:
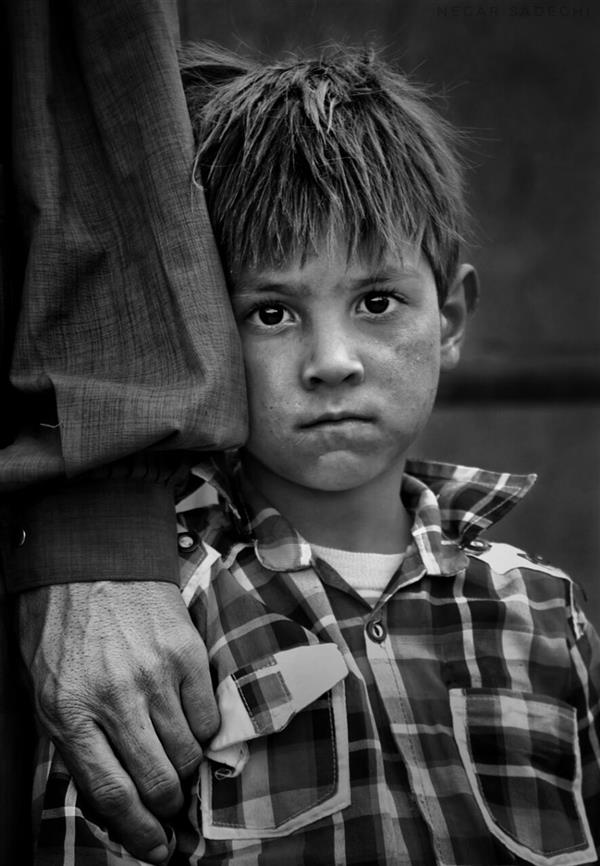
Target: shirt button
(478, 544)
(376, 631)
(187, 541)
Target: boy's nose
(332, 360)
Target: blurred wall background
(523, 79)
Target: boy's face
(342, 362)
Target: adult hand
(121, 683)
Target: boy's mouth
(334, 419)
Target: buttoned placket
(386, 671)
(386, 667)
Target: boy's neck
(370, 518)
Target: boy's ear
(460, 301)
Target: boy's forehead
(363, 266)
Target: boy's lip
(338, 417)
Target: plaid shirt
(457, 721)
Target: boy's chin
(331, 472)
(337, 473)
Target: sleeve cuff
(110, 529)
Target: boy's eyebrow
(264, 284)
(388, 275)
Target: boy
(393, 689)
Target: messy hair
(300, 152)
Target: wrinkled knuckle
(112, 797)
(161, 791)
(184, 650)
(208, 723)
(151, 682)
(188, 761)
(113, 689)
(58, 709)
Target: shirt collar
(450, 506)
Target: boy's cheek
(419, 356)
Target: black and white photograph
(300, 433)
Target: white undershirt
(367, 573)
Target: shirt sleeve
(117, 334)
(114, 523)
(124, 335)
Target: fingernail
(158, 854)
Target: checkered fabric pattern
(466, 730)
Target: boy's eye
(270, 314)
(376, 303)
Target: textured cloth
(115, 327)
(463, 729)
(124, 316)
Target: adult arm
(121, 341)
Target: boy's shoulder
(508, 572)
(503, 558)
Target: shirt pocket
(521, 755)
(294, 767)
